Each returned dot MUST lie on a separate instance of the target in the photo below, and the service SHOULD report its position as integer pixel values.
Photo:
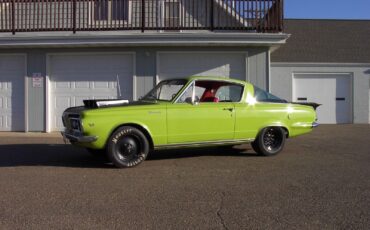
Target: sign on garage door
(333, 91)
(12, 74)
(75, 77)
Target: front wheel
(127, 147)
(270, 141)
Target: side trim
(204, 144)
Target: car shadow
(61, 155)
(244, 151)
(48, 155)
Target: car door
(199, 121)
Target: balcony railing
(142, 15)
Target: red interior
(211, 88)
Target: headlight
(75, 124)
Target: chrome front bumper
(315, 124)
(73, 138)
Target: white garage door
(333, 91)
(12, 75)
(185, 64)
(76, 77)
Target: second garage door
(333, 91)
(185, 64)
(75, 77)
(12, 74)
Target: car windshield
(165, 90)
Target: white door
(76, 77)
(12, 77)
(333, 91)
(186, 64)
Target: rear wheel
(127, 147)
(270, 141)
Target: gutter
(98, 39)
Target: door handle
(229, 109)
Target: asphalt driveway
(320, 181)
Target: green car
(191, 112)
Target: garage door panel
(177, 65)
(82, 85)
(12, 73)
(62, 102)
(332, 91)
(88, 76)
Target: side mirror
(190, 101)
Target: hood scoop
(93, 104)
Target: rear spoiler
(312, 104)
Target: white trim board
(98, 39)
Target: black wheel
(270, 141)
(127, 147)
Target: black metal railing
(161, 15)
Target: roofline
(317, 64)
(324, 19)
(96, 39)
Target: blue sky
(328, 9)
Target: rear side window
(230, 93)
(263, 96)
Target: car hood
(90, 105)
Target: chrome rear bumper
(78, 138)
(315, 124)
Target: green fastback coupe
(197, 111)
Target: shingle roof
(325, 41)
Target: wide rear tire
(127, 147)
(270, 141)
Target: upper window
(264, 96)
(207, 91)
(111, 10)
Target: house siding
(146, 58)
(282, 80)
